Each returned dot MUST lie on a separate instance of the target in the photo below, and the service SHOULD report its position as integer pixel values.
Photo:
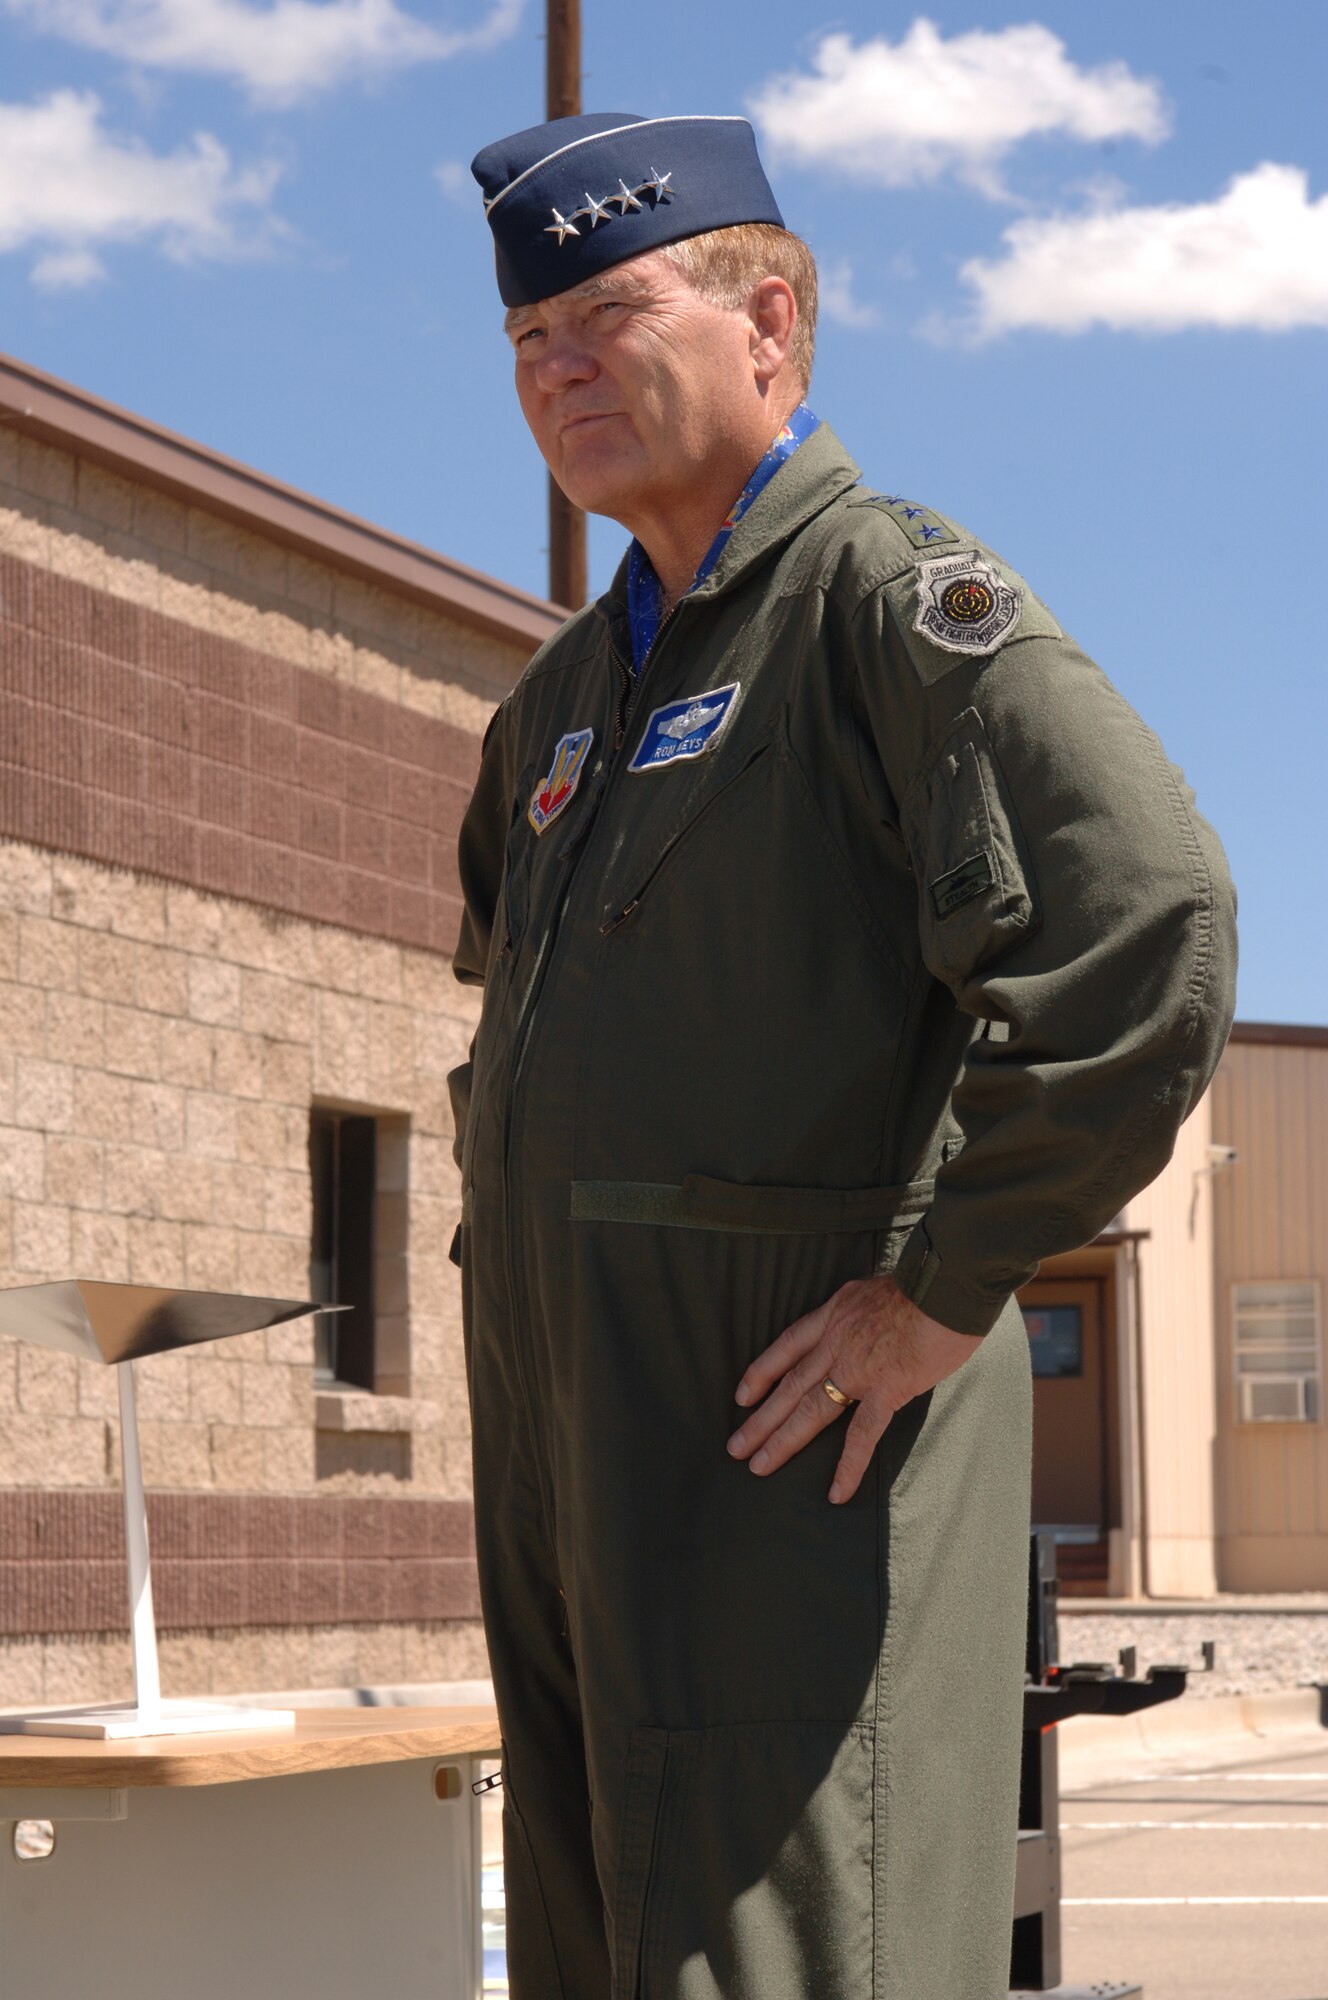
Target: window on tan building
(357, 1255)
(1277, 1352)
(343, 1169)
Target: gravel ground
(1257, 1651)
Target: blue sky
(1076, 273)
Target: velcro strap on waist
(701, 1203)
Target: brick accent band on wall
(136, 740)
(234, 1560)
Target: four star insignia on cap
(605, 171)
(598, 209)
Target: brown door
(1064, 1321)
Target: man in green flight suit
(848, 945)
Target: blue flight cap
(568, 199)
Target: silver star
(562, 227)
(624, 198)
(598, 210)
(658, 185)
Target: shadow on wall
(381, 1455)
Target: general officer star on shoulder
(848, 945)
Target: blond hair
(726, 265)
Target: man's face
(632, 384)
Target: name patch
(971, 878)
(684, 729)
(554, 793)
(964, 604)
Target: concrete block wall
(229, 780)
(78, 520)
(82, 1667)
(159, 1052)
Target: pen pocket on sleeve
(975, 893)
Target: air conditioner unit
(1275, 1399)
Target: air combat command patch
(683, 729)
(964, 604)
(554, 792)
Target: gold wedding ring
(836, 1395)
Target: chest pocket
(712, 788)
(975, 888)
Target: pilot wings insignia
(690, 720)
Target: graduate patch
(964, 604)
(555, 792)
(683, 729)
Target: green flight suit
(919, 967)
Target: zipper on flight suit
(526, 1021)
(526, 1018)
(631, 682)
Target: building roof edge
(1280, 1034)
(58, 413)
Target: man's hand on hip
(875, 1346)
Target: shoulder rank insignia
(964, 604)
(555, 792)
(683, 729)
(920, 524)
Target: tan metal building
(1180, 1443)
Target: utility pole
(562, 99)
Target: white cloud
(457, 183)
(898, 114)
(67, 270)
(67, 184)
(279, 51)
(1257, 257)
(837, 300)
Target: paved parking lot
(1209, 1883)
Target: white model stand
(112, 1323)
(147, 1714)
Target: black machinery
(1052, 1694)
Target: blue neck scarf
(643, 586)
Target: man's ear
(772, 312)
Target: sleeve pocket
(975, 890)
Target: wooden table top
(323, 1739)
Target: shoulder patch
(921, 526)
(964, 604)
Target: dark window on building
(343, 1165)
(1055, 1339)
